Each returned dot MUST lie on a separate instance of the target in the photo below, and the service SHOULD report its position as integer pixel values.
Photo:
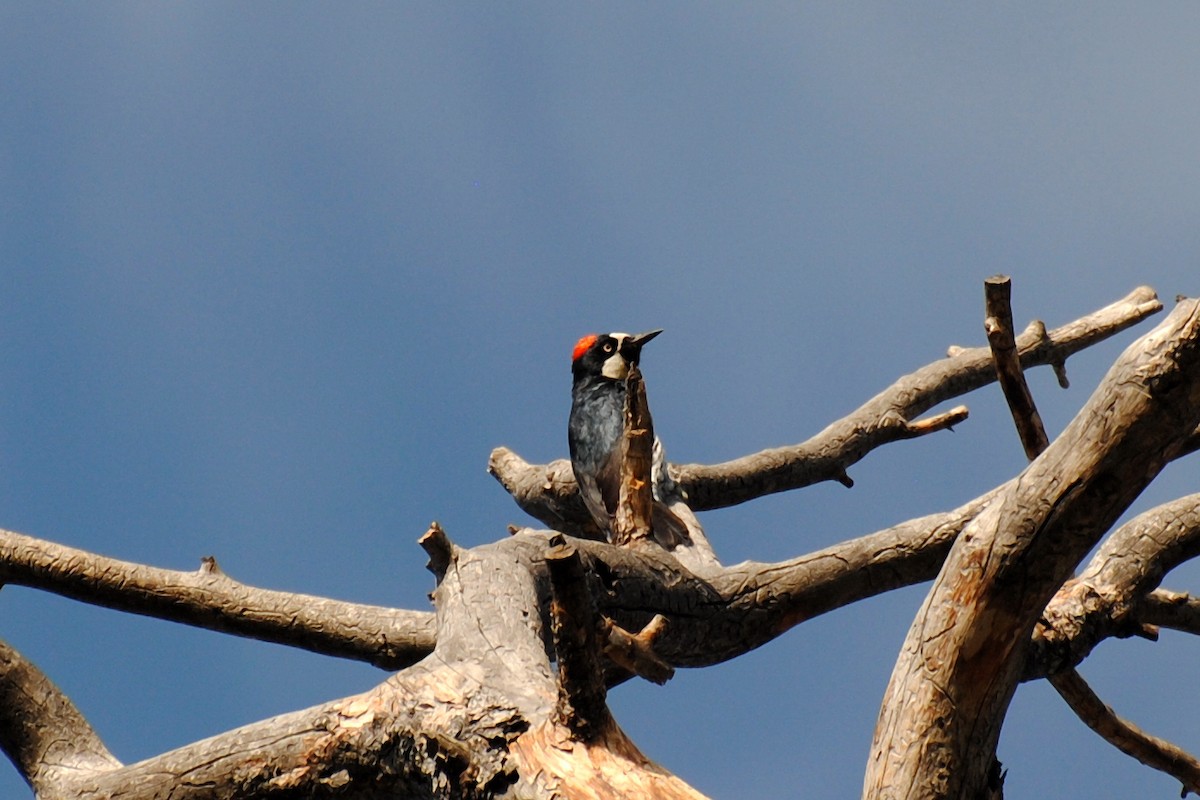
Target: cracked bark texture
(479, 709)
(961, 661)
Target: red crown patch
(583, 345)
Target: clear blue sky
(277, 277)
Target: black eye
(608, 347)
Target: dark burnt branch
(41, 731)
(967, 648)
(1191, 445)
(1127, 737)
(632, 520)
(573, 620)
(388, 638)
(999, 327)
(548, 492)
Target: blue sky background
(276, 278)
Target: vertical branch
(1003, 341)
(575, 625)
(635, 506)
(440, 549)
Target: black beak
(633, 345)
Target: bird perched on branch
(600, 365)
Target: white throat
(615, 366)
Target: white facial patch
(615, 366)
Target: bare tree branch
(635, 651)
(548, 492)
(484, 712)
(474, 719)
(632, 520)
(439, 549)
(388, 638)
(576, 628)
(1127, 737)
(962, 658)
(1123, 735)
(1175, 610)
(42, 732)
(1109, 598)
(999, 327)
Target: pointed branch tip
(938, 422)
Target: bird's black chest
(597, 420)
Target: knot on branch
(209, 566)
(1079, 617)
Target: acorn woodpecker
(596, 427)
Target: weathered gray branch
(1176, 610)
(388, 638)
(1129, 738)
(580, 705)
(1109, 597)
(473, 719)
(477, 714)
(42, 732)
(1001, 338)
(963, 656)
(753, 604)
(1123, 735)
(548, 492)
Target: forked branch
(548, 492)
(967, 648)
(41, 730)
(1074, 611)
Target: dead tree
(475, 706)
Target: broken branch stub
(636, 500)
